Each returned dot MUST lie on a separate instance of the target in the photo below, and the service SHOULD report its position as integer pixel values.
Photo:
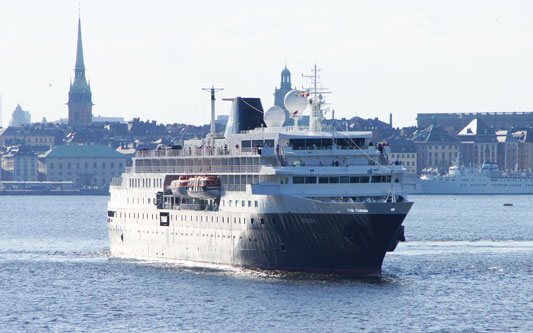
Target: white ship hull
(348, 238)
(450, 185)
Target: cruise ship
(263, 195)
(487, 179)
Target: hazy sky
(150, 59)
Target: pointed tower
(80, 103)
(285, 87)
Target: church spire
(79, 96)
(80, 65)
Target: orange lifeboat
(204, 187)
(179, 186)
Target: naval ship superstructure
(263, 196)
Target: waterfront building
(146, 129)
(19, 164)
(403, 151)
(435, 148)
(507, 152)
(525, 149)
(453, 123)
(38, 138)
(80, 103)
(20, 117)
(84, 165)
(479, 143)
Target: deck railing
(203, 169)
(207, 151)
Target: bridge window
(333, 180)
(323, 180)
(310, 180)
(298, 180)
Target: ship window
(323, 180)
(249, 203)
(365, 179)
(256, 203)
(376, 179)
(262, 221)
(243, 204)
(164, 219)
(251, 220)
(310, 180)
(344, 179)
(333, 180)
(230, 203)
(388, 179)
(297, 144)
(354, 180)
(298, 180)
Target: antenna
(314, 79)
(315, 120)
(213, 90)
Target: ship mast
(213, 90)
(315, 120)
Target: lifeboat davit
(179, 186)
(204, 187)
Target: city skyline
(402, 59)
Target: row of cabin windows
(343, 179)
(139, 200)
(68, 165)
(145, 182)
(242, 203)
(185, 218)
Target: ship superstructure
(484, 179)
(264, 195)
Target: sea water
(467, 265)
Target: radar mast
(315, 119)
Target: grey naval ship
(263, 195)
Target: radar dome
(296, 102)
(274, 117)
